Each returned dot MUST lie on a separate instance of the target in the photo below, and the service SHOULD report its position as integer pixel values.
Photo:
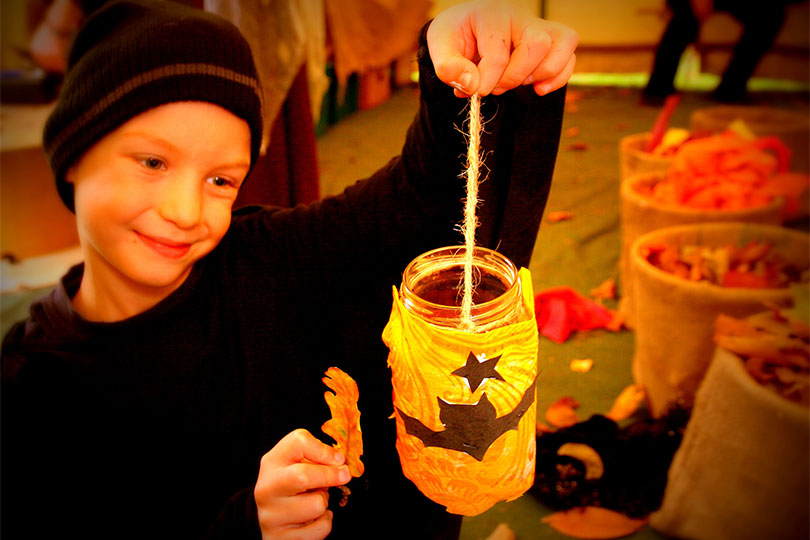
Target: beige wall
(620, 36)
(441, 5)
(13, 34)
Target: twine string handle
(470, 205)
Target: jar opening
(446, 287)
(433, 287)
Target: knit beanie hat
(133, 55)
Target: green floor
(580, 253)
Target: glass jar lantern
(464, 400)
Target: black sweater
(153, 427)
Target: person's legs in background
(682, 30)
(761, 23)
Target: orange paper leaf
(344, 426)
(627, 403)
(581, 365)
(592, 522)
(562, 414)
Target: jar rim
(454, 256)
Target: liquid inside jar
(446, 287)
(433, 289)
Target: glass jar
(464, 399)
(433, 286)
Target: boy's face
(155, 195)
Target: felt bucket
(640, 214)
(742, 468)
(791, 127)
(633, 159)
(464, 400)
(675, 316)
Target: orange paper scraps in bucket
(729, 172)
(465, 406)
(344, 426)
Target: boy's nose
(181, 202)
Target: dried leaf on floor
(581, 365)
(561, 413)
(559, 215)
(577, 146)
(502, 532)
(592, 522)
(605, 290)
(541, 427)
(627, 403)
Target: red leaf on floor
(561, 310)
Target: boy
(170, 386)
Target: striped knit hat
(131, 56)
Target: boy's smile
(165, 247)
(152, 198)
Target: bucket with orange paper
(742, 469)
(464, 391)
(684, 277)
(653, 150)
(725, 177)
(791, 127)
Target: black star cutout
(475, 372)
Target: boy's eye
(152, 163)
(220, 181)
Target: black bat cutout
(469, 428)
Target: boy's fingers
(528, 53)
(545, 87)
(459, 73)
(561, 50)
(300, 445)
(300, 478)
(493, 33)
(319, 528)
(301, 508)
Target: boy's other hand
(291, 490)
(490, 46)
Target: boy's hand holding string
(489, 47)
